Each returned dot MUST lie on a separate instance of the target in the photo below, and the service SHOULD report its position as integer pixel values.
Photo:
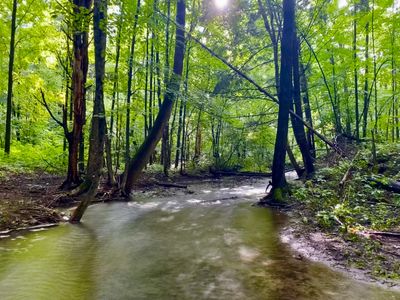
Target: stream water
(189, 246)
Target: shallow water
(181, 247)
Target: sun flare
(220, 4)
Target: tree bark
(285, 100)
(166, 146)
(298, 127)
(307, 110)
(79, 76)
(7, 144)
(147, 148)
(98, 128)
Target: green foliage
(26, 158)
(359, 204)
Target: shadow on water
(181, 247)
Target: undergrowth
(359, 205)
(27, 158)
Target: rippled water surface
(200, 246)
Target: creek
(211, 244)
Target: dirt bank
(374, 260)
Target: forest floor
(34, 199)
(346, 220)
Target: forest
(112, 106)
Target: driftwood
(391, 185)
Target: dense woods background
(223, 106)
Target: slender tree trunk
(166, 146)
(285, 100)
(110, 131)
(356, 73)
(198, 141)
(98, 128)
(147, 148)
(7, 144)
(146, 109)
(393, 79)
(307, 110)
(179, 133)
(375, 69)
(366, 85)
(298, 127)
(130, 79)
(270, 27)
(151, 73)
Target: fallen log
(391, 185)
(170, 185)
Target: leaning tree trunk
(98, 129)
(285, 100)
(7, 144)
(147, 148)
(79, 75)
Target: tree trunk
(356, 73)
(307, 110)
(166, 146)
(147, 148)
(298, 127)
(79, 76)
(98, 128)
(110, 173)
(129, 94)
(7, 144)
(285, 100)
(366, 85)
(197, 144)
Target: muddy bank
(351, 254)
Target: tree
(285, 100)
(98, 126)
(298, 127)
(7, 143)
(145, 151)
(81, 11)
